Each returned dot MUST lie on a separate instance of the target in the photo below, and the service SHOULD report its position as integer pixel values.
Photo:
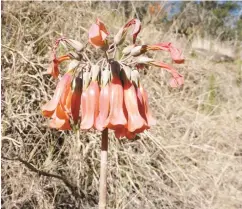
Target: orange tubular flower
(91, 100)
(122, 132)
(177, 79)
(116, 116)
(76, 99)
(54, 67)
(144, 106)
(60, 119)
(55, 108)
(103, 107)
(98, 34)
(60, 92)
(135, 121)
(83, 104)
(176, 54)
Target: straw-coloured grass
(191, 159)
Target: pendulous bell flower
(135, 121)
(104, 101)
(144, 106)
(57, 107)
(75, 98)
(116, 116)
(91, 100)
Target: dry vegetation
(191, 159)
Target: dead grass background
(191, 159)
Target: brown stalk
(103, 171)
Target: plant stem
(103, 171)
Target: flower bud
(144, 60)
(73, 64)
(95, 72)
(126, 72)
(135, 77)
(86, 79)
(76, 56)
(115, 68)
(126, 51)
(136, 51)
(105, 77)
(119, 37)
(75, 44)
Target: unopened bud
(144, 60)
(95, 72)
(86, 79)
(120, 37)
(127, 72)
(115, 68)
(73, 64)
(136, 51)
(105, 76)
(76, 56)
(135, 77)
(126, 51)
(75, 44)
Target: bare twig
(72, 188)
(21, 54)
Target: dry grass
(191, 159)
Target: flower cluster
(107, 93)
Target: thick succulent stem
(103, 171)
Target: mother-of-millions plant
(106, 94)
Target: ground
(191, 159)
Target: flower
(54, 67)
(116, 116)
(123, 132)
(176, 54)
(75, 95)
(59, 106)
(144, 106)
(97, 34)
(120, 36)
(104, 107)
(104, 101)
(135, 120)
(108, 94)
(176, 80)
(91, 101)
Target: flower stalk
(103, 170)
